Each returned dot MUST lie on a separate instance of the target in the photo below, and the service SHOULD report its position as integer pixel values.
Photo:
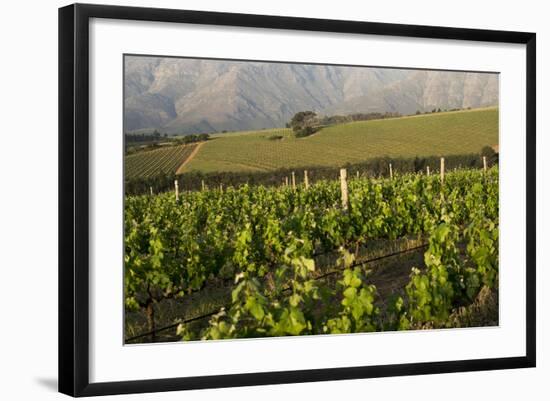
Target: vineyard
(255, 261)
(449, 133)
(151, 163)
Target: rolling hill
(153, 162)
(435, 134)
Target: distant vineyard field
(165, 160)
(437, 134)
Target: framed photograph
(251, 199)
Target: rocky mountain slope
(177, 95)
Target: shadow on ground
(49, 383)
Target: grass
(424, 135)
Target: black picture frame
(74, 198)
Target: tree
(305, 123)
(302, 119)
(307, 119)
(490, 154)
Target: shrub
(275, 137)
(306, 131)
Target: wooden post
(202, 184)
(484, 164)
(286, 181)
(442, 169)
(306, 180)
(221, 187)
(357, 174)
(151, 190)
(391, 172)
(177, 190)
(428, 171)
(344, 188)
(293, 181)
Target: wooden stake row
(344, 188)
(343, 180)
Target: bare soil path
(181, 167)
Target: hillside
(424, 135)
(165, 160)
(178, 95)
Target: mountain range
(181, 95)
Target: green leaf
(255, 308)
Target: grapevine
(266, 241)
